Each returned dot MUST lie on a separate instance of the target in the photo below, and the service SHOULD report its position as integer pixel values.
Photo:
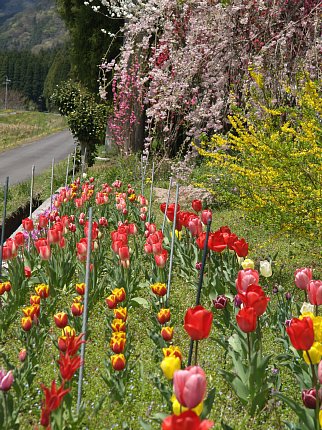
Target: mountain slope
(30, 25)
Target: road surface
(17, 163)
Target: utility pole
(6, 83)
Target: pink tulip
(303, 276)
(44, 252)
(161, 259)
(190, 386)
(206, 215)
(320, 372)
(314, 291)
(6, 380)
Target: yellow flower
(178, 408)
(315, 353)
(169, 365)
(317, 326)
(248, 264)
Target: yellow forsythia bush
(273, 158)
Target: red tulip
(196, 205)
(247, 319)
(301, 333)
(19, 239)
(245, 278)
(111, 301)
(27, 271)
(255, 298)
(42, 221)
(164, 315)
(240, 247)
(77, 309)
(200, 241)
(186, 421)
(28, 224)
(216, 242)
(53, 397)
(190, 386)
(197, 322)
(68, 365)
(26, 323)
(124, 253)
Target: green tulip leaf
(306, 420)
(140, 301)
(207, 404)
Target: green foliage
(273, 156)
(85, 117)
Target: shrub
(273, 155)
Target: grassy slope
(17, 128)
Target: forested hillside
(30, 25)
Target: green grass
(17, 128)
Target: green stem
(316, 310)
(315, 383)
(5, 411)
(196, 353)
(249, 347)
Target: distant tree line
(34, 75)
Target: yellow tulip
(169, 365)
(248, 264)
(315, 353)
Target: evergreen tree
(88, 42)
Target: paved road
(17, 163)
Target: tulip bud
(167, 333)
(26, 323)
(163, 316)
(309, 398)
(265, 268)
(61, 319)
(77, 309)
(27, 271)
(118, 361)
(220, 302)
(248, 264)
(111, 301)
(22, 355)
(80, 288)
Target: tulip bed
(223, 345)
